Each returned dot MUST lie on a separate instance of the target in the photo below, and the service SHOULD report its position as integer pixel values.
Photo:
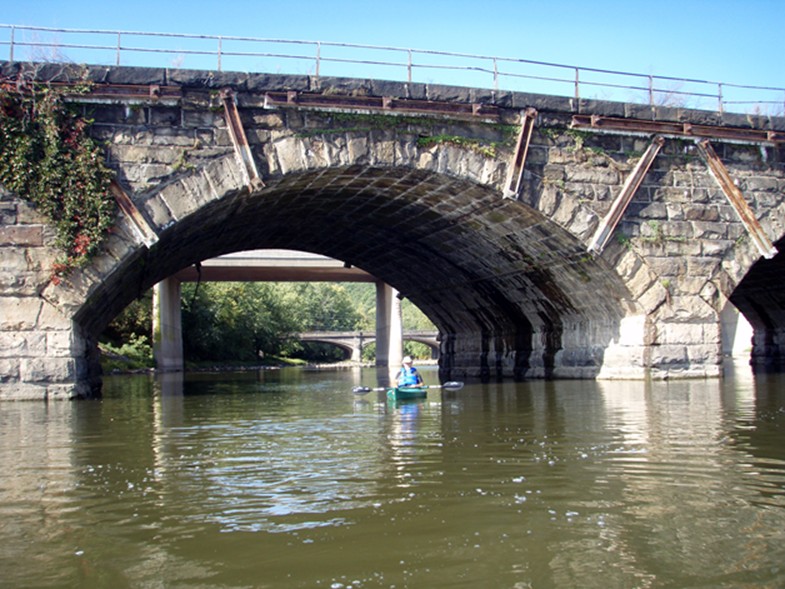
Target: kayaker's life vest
(408, 377)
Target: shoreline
(256, 367)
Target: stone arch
(346, 349)
(512, 293)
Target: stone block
(654, 210)
(21, 235)
(67, 391)
(22, 392)
(22, 344)
(45, 369)
(16, 284)
(383, 152)
(664, 355)
(681, 334)
(269, 82)
(14, 260)
(19, 313)
(652, 298)
(592, 175)
(164, 137)
(63, 344)
(199, 118)
(165, 115)
(9, 370)
(224, 176)
(290, 154)
(52, 318)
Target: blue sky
(733, 41)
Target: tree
(236, 321)
(326, 307)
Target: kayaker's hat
(407, 359)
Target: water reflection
(285, 479)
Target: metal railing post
(719, 96)
(11, 54)
(495, 75)
(318, 58)
(409, 66)
(117, 58)
(651, 91)
(577, 85)
(220, 49)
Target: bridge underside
(511, 293)
(761, 299)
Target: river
(284, 478)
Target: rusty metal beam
(241, 148)
(515, 171)
(622, 200)
(720, 173)
(600, 123)
(386, 104)
(154, 93)
(140, 225)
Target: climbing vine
(47, 158)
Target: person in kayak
(408, 376)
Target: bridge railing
(319, 58)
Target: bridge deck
(273, 266)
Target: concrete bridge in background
(354, 341)
(277, 266)
(544, 236)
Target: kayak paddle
(450, 386)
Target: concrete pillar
(357, 348)
(167, 325)
(389, 327)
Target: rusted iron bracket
(102, 93)
(720, 173)
(515, 172)
(387, 104)
(622, 200)
(600, 123)
(241, 148)
(140, 225)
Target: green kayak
(402, 393)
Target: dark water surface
(286, 479)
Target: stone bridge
(545, 237)
(354, 341)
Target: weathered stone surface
(22, 391)
(22, 344)
(19, 313)
(21, 235)
(46, 370)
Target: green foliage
(238, 321)
(135, 320)
(325, 307)
(135, 353)
(249, 322)
(489, 149)
(414, 319)
(47, 157)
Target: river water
(284, 478)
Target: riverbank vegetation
(255, 323)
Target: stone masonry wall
(680, 249)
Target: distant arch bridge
(354, 341)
